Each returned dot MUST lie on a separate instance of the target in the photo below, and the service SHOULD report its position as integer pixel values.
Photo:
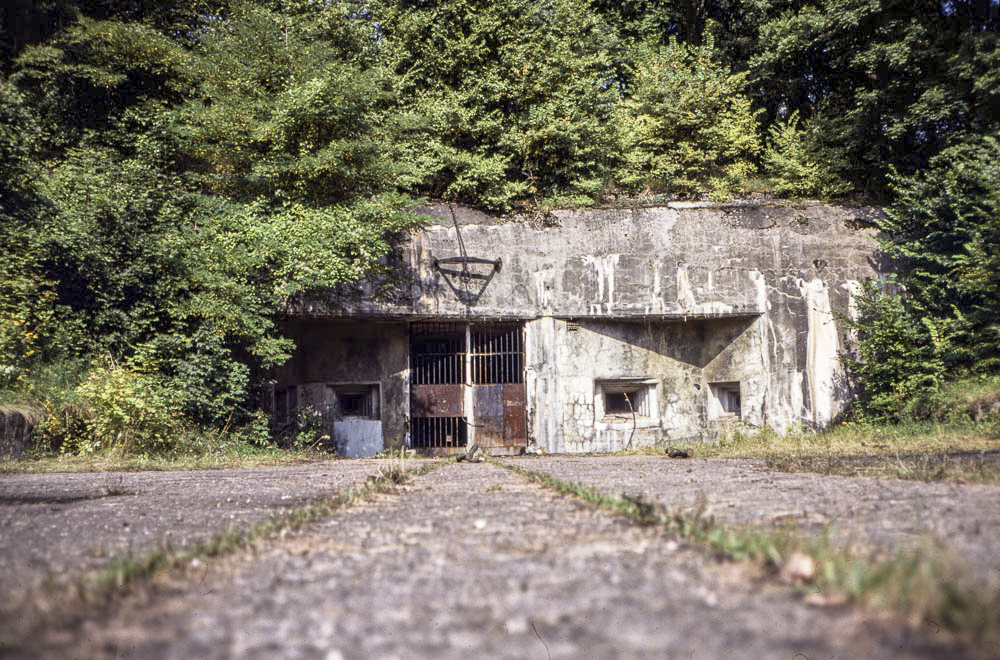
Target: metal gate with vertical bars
(437, 378)
(467, 382)
(497, 377)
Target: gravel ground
(868, 513)
(55, 526)
(471, 560)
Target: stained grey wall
(681, 358)
(674, 260)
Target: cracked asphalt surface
(865, 514)
(54, 526)
(468, 560)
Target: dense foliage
(172, 171)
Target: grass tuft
(922, 586)
(962, 451)
(126, 570)
(953, 433)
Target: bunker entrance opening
(467, 385)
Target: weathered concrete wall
(681, 259)
(677, 359)
(338, 353)
(686, 295)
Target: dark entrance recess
(617, 402)
(453, 364)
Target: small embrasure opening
(620, 402)
(359, 401)
(725, 401)
(626, 398)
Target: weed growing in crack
(127, 570)
(644, 512)
(920, 586)
(391, 474)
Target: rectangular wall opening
(357, 401)
(286, 407)
(621, 399)
(467, 383)
(437, 377)
(724, 401)
(357, 420)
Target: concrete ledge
(17, 425)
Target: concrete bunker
(600, 330)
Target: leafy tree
(899, 355)
(686, 123)
(645, 20)
(25, 293)
(888, 83)
(501, 101)
(944, 228)
(181, 288)
(205, 185)
(732, 24)
(172, 172)
(24, 23)
(944, 231)
(798, 161)
(27, 22)
(283, 104)
(86, 77)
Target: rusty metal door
(515, 417)
(437, 380)
(467, 381)
(497, 366)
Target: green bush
(687, 122)
(49, 389)
(129, 412)
(973, 399)
(899, 355)
(248, 439)
(798, 164)
(943, 229)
